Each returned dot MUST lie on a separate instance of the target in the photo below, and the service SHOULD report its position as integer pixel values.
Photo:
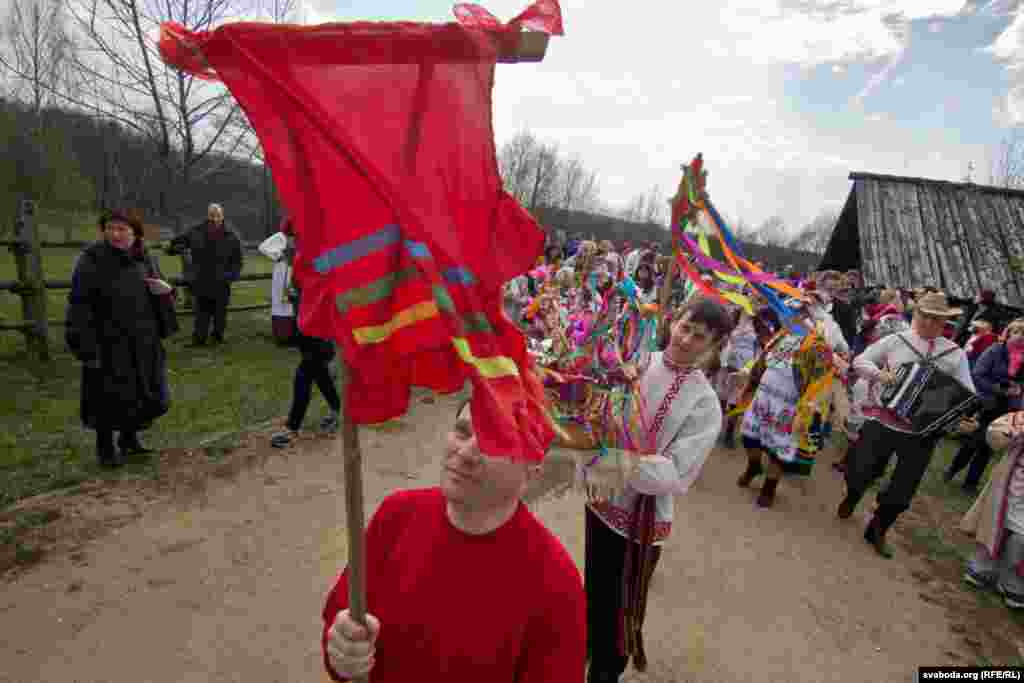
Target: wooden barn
(914, 232)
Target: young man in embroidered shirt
(625, 533)
(464, 584)
(885, 433)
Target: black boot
(766, 498)
(128, 442)
(848, 505)
(601, 677)
(106, 454)
(753, 469)
(875, 533)
(961, 460)
(729, 434)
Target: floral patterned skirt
(768, 422)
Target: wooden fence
(32, 284)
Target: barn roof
(916, 232)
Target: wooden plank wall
(916, 234)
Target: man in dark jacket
(217, 262)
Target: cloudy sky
(783, 97)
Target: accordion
(928, 398)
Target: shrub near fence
(32, 284)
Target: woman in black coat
(114, 328)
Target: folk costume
(790, 399)
(740, 351)
(885, 433)
(625, 532)
(882, 321)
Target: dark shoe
(1012, 600)
(979, 580)
(876, 538)
(948, 475)
(601, 677)
(330, 423)
(846, 508)
(753, 469)
(969, 489)
(282, 439)
(109, 457)
(130, 445)
(767, 496)
(217, 339)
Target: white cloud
(1008, 48)
(635, 96)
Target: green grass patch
(216, 392)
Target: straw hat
(935, 304)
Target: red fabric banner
(380, 142)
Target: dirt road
(224, 580)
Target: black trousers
(870, 457)
(211, 305)
(975, 451)
(316, 357)
(105, 437)
(604, 565)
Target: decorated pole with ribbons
(405, 275)
(691, 203)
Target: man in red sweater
(464, 584)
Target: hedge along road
(224, 579)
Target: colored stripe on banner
(380, 289)
(374, 334)
(473, 321)
(418, 249)
(459, 276)
(352, 251)
(489, 368)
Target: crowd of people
(634, 360)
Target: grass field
(215, 391)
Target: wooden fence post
(32, 283)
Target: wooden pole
(529, 47)
(28, 256)
(348, 438)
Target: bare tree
(814, 236)
(544, 176)
(36, 51)
(635, 209)
(190, 123)
(655, 206)
(515, 161)
(1006, 162)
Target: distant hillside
(618, 230)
